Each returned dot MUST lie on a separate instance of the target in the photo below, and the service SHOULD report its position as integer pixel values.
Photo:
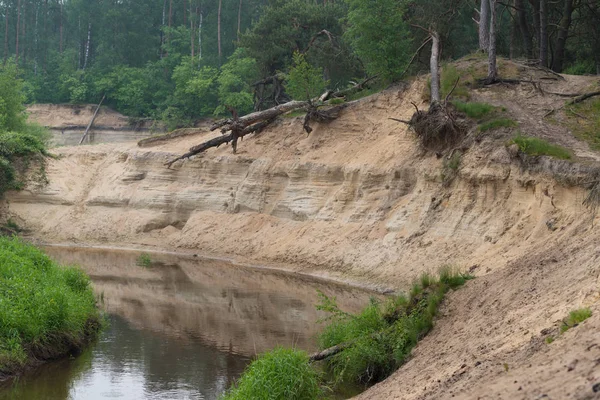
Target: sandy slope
(357, 200)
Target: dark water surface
(184, 328)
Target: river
(182, 328)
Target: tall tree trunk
(484, 26)
(219, 30)
(535, 4)
(524, 28)
(239, 25)
(170, 21)
(492, 70)
(200, 37)
(6, 33)
(192, 32)
(18, 26)
(61, 27)
(544, 33)
(24, 32)
(45, 36)
(435, 67)
(162, 31)
(563, 33)
(87, 46)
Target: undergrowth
(374, 344)
(473, 109)
(46, 310)
(380, 339)
(539, 147)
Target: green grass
(474, 110)
(448, 79)
(144, 260)
(281, 374)
(575, 318)
(497, 123)
(550, 339)
(588, 127)
(46, 310)
(539, 147)
(383, 335)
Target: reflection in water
(127, 363)
(184, 328)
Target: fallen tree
(257, 121)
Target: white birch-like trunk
(435, 68)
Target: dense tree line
(179, 60)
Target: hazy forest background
(182, 60)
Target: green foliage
(380, 338)
(379, 34)
(19, 141)
(497, 123)
(550, 339)
(46, 309)
(12, 110)
(474, 110)
(539, 147)
(234, 84)
(304, 82)
(575, 318)
(144, 260)
(281, 374)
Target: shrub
(474, 110)
(47, 310)
(380, 339)
(575, 317)
(539, 147)
(304, 82)
(144, 260)
(497, 123)
(281, 374)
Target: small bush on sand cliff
(380, 339)
(281, 374)
(46, 310)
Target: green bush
(46, 309)
(380, 339)
(144, 260)
(304, 82)
(539, 147)
(497, 123)
(474, 110)
(575, 317)
(281, 374)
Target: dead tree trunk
(87, 46)
(435, 68)
(87, 130)
(484, 26)
(492, 69)
(239, 22)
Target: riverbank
(47, 312)
(359, 200)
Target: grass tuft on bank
(539, 147)
(46, 311)
(279, 374)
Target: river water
(183, 328)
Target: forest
(182, 60)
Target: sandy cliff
(358, 200)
